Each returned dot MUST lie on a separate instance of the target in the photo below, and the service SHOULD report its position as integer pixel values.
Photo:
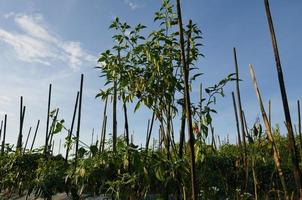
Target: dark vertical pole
(27, 139)
(299, 127)
(52, 128)
(47, 121)
(114, 122)
(104, 135)
(150, 131)
(4, 134)
(1, 129)
(188, 102)
(103, 131)
(79, 120)
(22, 112)
(34, 139)
(291, 139)
(72, 125)
(237, 121)
(126, 123)
(241, 118)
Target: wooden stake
(276, 154)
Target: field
(156, 70)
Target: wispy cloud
(131, 4)
(35, 42)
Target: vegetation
(156, 70)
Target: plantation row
(135, 173)
(156, 71)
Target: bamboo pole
(188, 102)
(1, 129)
(103, 131)
(104, 135)
(241, 118)
(34, 139)
(79, 120)
(47, 120)
(276, 154)
(4, 135)
(289, 126)
(72, 125)
(237, 121)
(52, 128)
(27, 139)
(299, 127)
(22, 114)
(150, 131)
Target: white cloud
(131, 4)
(36, 43)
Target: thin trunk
(183, 116)
(104, 135)
(72, 125)
(114, 122)
(188, 102)
(213, 142)
(4, 134)
(27, 140)
(182, 130)
(34, 139)
(276, 154)
(255, 179)
(241, 118)
(79, 120)
(47, 120)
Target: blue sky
(44, 42)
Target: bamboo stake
(52, 128)
(27, 140)
(4, 134)
(1, 129)
(72, 125)
(291, 138)
(79, 120)
(20, 136)
(47, 120)
(276, 154)
(241, 118)
(237, 122)
(114, 122)
(187, 100)
(104, 135)
(150, 131)
(299, 127)
(34, 139)
(103, 131)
